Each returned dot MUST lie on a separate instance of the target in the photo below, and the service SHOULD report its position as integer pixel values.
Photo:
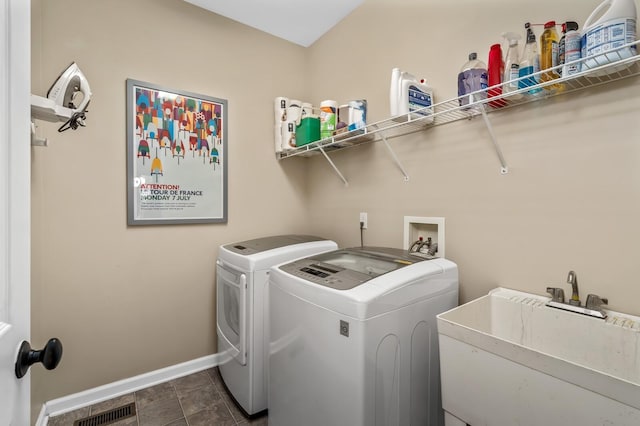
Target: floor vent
(108, 417)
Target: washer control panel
(326, 275)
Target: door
(232, 310)
(15, 112)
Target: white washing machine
(242, 274)
(354, 340)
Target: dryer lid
(258, 245)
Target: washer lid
(269, 243)
(349, 268)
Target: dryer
(242, 273)
(353, 338)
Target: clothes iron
(66, 100)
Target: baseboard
(122, 387)
(42, 417)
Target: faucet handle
(594, 302)
(557, 294)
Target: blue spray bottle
(530, 62)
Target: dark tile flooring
(195, 400)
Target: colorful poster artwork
(177, 146)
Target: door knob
(49, 356)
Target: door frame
(15, 155)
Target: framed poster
(176, 156)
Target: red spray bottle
(495, 71)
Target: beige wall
(571, 199)
(128, 300)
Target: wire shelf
(603, 68)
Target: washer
(353, 338)
(242, 273)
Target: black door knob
(49, 356)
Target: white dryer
(242, 274)
(354, 340)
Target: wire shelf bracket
(504, 169)
(394, 156)
(335, 168)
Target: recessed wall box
(425, 227)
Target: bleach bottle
(611, 25)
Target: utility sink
(507, 359)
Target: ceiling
(298, 21)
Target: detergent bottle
(394, 91)
(408, 94)
(416, 97)
(398, 77)
(511, 65)
(611, 25)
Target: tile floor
(195, 400)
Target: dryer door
(232, 310)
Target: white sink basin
(508, 359)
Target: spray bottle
(511, 64)
(495, 74)
(529, 63)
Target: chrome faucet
(557, 294)
(592, 308)
(572, 279)
(595, 302)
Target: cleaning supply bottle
(610, 26)
(549, 54)
(495, 72)
(472, 78)
(408, 95)
(394, 91)
(511, 65)
(328, 118)
(569, 49)
(529, 63)
(561, 47)
(416, 98)
(398, 77)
